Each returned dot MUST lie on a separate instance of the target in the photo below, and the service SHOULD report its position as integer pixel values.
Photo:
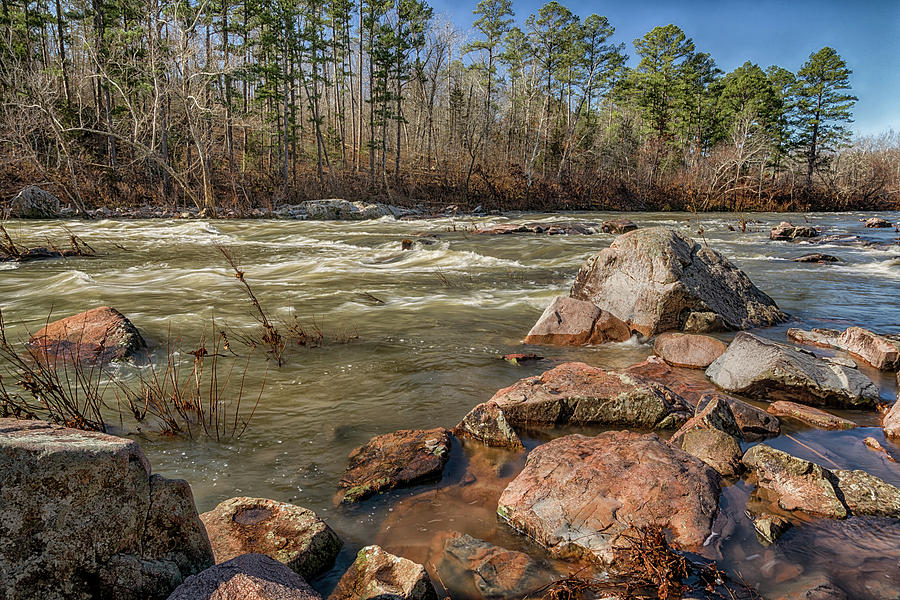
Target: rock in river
(101, 334)
(580, 394)
(571, 322)
(290, 534)
(576, 494)
(657, 280)
(785, 231)
(487, 424)
(818, 258)
(767, 370)
(618, 226)
(246, 577)
(393, 460)
(878, 222)
(379, 575)
(712, 436)
(891, 420)
(878, 350)
(809, 415)
(82, 517)
(688, 350)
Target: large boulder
(246, 577)
(763, 369)
(81, 517)
(101, 334)
(803, 485)
(658, 280)
(688, 350)
(570, 322)
(809, 415)
(577, 494)
(400, 459)
(379, 575)
(785, 231)
(494, 572)
(290, 534)
(580, 394)
(34, 203)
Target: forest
(259, 103)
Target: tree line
(248, 103)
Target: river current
(432, 325)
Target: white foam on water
(9, 266)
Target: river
(430, 347)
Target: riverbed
(415, 338)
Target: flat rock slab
(657, 280)
(487, 424)
(246, 577)
(688, 350)
(809, 415)
(874, 349)
(570, 322)
(82, 517)
(290, 534)
(578, 393)
(803, 485)
(576, 494)
(101, 334)
(494, 572)
(817, 258)
(763, 369)
(400, 459)
(379, 575)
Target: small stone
(873, 444)
(785, 231)
(518, 358)
(878, 222)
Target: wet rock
(618, 226)
(712, 436)
(290, 534)
(878, 222)
(496, 572)
(755, 424)
(867, 495)
(34, 203)
(399, 459)
(246, 577)
(809, 415)
(688, 350)
(785, 231)
(770, 527)
(576, 494)
(379, 575)
(655, 279)
(820, 338)
(759, 368)
(544, 228)
(822, 259)
(798, 484)
(891, 420)
(517, 358)
(406, 244)
(487, 424)
(82, 517)
(715, 414)
(879, 351)
(99, 335)
(703, 322)
(578, 393)
(570, 322)
(874, 445)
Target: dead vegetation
(13, 251)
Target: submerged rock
(818, 337)
(82, 517)
(809, 415)
(101, 334)
(570, 322)
(803, 485)
(759, 368)
(785, 231)
(618, 226)
(545, 228)
(495, 572)
(770, 527)
(822, 259)
(688, 350)
(290, 534)
(576, 494)
(578, 393)
(487, 424)
(246, 577)
(400, 459)
(379, 575)
(657, 280)
(34, 203)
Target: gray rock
(865, 494)
(487, 424)
(755, 424)
(785, 231)
(655, 279)
(767, 370)
(34, 203)
(81, 517)
(379, 575)
(246, 577)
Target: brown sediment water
(430, 348)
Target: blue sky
(865, 33)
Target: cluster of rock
(340, 210)
(881, 351)
(614, 226)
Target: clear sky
(866, 33)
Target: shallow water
(432, 350)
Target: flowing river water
(430, 348)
